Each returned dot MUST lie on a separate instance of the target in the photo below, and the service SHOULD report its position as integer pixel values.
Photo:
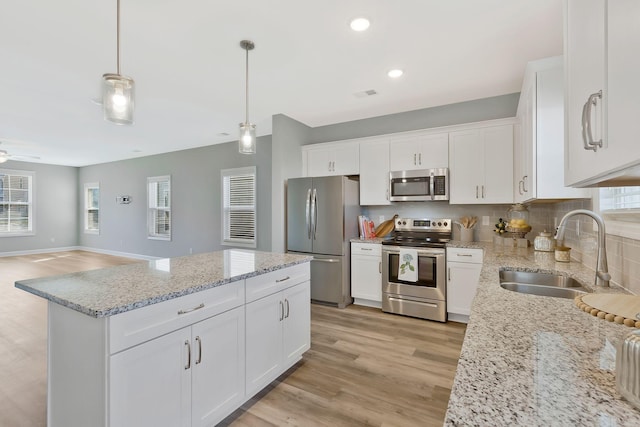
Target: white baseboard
(117, 253)
(40, 251)
(367, 302)
(455, 317)
(79, 248)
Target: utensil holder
(628, 368)
(466, 234)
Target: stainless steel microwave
(419, 185)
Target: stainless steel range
(424, 294)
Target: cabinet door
(374, 173)
(584, 75)
(319, 162)
(498, 165)
(346, 159)
(150, 384)
(623, 85)
(366, 277)
(467, 167)
(263, 342)
(525, 180)
(218, 367)
(403, 154)
(434, 151)
(296, 323)
(462, 283)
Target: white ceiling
(189, 68)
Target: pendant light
(118, 90)
(247, 142)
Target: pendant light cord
(118, 38)
(246, 84)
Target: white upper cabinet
(374, 172)
(420, 151)
(601, 97)
(481, 165)
(336, 158)
(539, 153)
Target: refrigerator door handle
(314, 213)
(308, 214)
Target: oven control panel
(423, 224)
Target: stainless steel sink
(544, 284)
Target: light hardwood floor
(364, 367)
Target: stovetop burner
(421, 232)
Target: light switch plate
(485, 220)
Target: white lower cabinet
(278, 332)
(366, 274)
(188, 361)
(190, 377)
(463, 275)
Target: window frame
(152, 210)
(620, 222)
(225, 239)
(31, 204)
(89, 186)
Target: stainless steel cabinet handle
(283, 280)
(449, 274)
(329, 167)
(465, 255)
(587, 133)
(380, 267)
(366, 249)
(281, 310)
(199, 350)
(520, 187)
(420, 158)
(524, 181)
(476, 191)
(287, 302)
(483, 191)
(188, 365)
(414, 159)
(191, 309)
(387, 194)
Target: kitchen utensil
(386, 227)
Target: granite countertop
(109, 291)
(532, 360)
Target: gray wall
(56, 203)
(196, 199)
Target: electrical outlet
(485, 220)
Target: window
(620, 208)
(239, 207)
(159, 212)
(16, 203)
(92, 208)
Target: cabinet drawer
(139, 325)
(473, 256)
(373, 249)
(275, 281)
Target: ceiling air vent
(365, 93)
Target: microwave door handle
(432, 186)
(307, 213)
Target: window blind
(619, 199)
(239, 205)
(16, 213)
(159, 207)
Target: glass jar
(544, 242)
(518, 218)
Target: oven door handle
(430, 304)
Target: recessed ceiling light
(360, 24)
(394, 74)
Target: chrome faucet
(602, 274)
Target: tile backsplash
(623, 254)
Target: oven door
(424, 298)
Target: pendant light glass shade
(247, 141)
(118, 98)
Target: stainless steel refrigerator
(322, 218)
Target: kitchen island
(172, 342)
(533, 360)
